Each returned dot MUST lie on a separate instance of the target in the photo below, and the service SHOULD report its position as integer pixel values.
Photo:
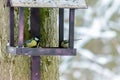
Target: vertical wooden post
(21, 28)
(35, 68)
(61, 26)
(11, 15)
(35, 32)
(71, 28)
(11, 23)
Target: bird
(65, 43)
(32, 43)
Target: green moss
(26, 23)
(44, 13)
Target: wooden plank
(50, 3)
(41, 51)
(47, 51)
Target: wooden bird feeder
(34, 6)
(34, 19)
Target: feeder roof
(49, 3)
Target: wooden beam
(50, 3)
(41, 51)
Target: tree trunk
(49, 38)
(18, 67)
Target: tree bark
(14, 67)
(49, 38)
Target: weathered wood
(21, 28)
(61, 26)
(11, 23)
(35, 30)
(50, 3)
(40, 51)
(71, 27)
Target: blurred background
(98, 51)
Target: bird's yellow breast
(33, 43)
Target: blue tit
(32, 42)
